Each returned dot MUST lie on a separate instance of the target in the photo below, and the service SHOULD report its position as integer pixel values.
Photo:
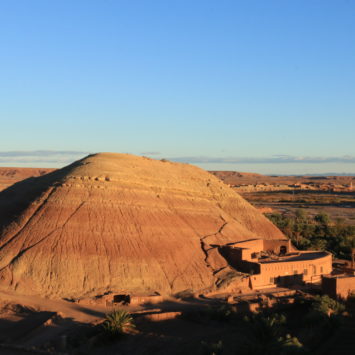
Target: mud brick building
(277, 262)
(338, 286)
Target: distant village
(313, 186)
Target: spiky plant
(117, 323)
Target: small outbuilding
(338, 286)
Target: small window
(295, 272)
(321, 269)
(305, 272)
(272, 280)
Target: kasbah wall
(277, 262)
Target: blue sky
(265, 86)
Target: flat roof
(346, 276)
(246, 244)
(303, 256)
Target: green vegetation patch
(317, 233)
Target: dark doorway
(283, 250)
(124, 299)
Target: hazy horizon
(284, 165)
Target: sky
(260, 86)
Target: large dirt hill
(122, 223)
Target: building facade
(277, 262)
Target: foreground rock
(117, 222)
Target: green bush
(117, 323)
(326, 304)
(318, 233)
(322, 218)
(267, 335)
(322, 318)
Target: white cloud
(40, 157)
(276, 159)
